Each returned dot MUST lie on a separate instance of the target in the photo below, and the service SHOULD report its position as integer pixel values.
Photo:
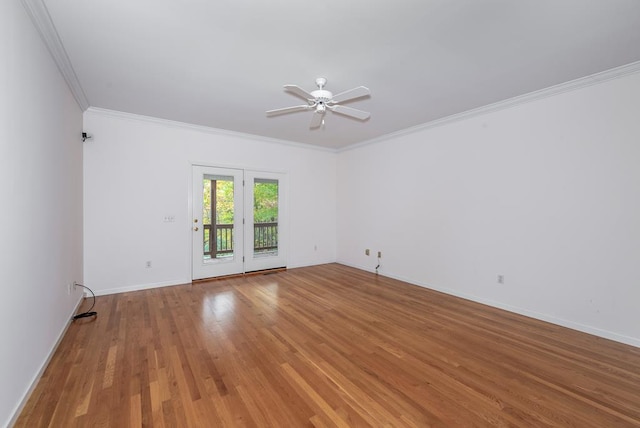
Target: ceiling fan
(322, 100)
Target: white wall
(137, 171)
(41, 211)
(546, 193)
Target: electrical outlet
(366, 252)
(379, 254)
(500, 279)
(148, 264)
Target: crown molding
(41, 19)
(203, 129)
(569, 86)
(37, 11)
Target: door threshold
(240, 275)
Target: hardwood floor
(327, 346)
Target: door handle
(195, 229)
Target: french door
(238, 221)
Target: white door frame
(281, 260)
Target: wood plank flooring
(327, 346)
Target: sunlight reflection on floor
(219, 308)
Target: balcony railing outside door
(265, 239)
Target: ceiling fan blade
(297, 90)
(351, 112)
(316, 120)
(287, 110)
(360, 91)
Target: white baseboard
(43, 367)
(138, 287)
(307, 263)
(633, 341)
(366, 269)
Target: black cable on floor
(89, 312)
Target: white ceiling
(222, 63)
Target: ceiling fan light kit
(322, 100)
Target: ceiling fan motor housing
(322, 95)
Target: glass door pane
(217, 216)
(265, 217)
